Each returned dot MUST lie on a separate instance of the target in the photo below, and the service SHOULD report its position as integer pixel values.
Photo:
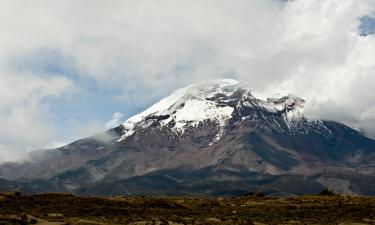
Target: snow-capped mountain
(211, 138)
(222, 102)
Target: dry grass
(69, 209)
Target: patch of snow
(292, 108)
(127, 133)
(158, 107)
(198, 110)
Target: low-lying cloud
(117, 120)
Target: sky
(73, 68)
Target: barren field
(68, 209)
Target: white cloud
(23, 115)
(331, 65)
(117, 119)
(309, 47)
(55, 144)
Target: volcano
(213, 138)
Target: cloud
(82, 129)
(330, 62)
(321, 50)
(117, 119)
(23, 113)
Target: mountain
(213, 138)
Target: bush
(327, 192)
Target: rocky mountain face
(213, 138)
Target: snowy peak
(214, 101)
(191, 95)
(200, 91)
(188, 106)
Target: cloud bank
(53, 53)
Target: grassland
(68, 209)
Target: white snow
(158, 107)
(293, 107)
(198, 90)
(196, 107)
(193, 104)
(198, 110)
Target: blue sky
(367, 26)
(93, 103)
(67, 67)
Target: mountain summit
(217, 102)
(211, 138)
(187, 107)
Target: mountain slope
(211, 138)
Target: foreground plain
(68, 209)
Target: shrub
(327, 192)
